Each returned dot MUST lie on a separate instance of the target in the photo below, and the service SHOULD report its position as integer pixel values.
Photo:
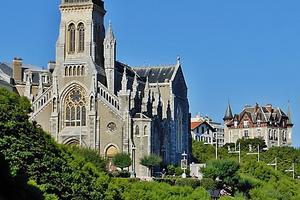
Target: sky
(237, 51)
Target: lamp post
(254, 153)
(216, 146)
(292, 169)
(184, 164)
(235, 151)
(273, 163)
(133, 148)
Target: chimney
(17, 69)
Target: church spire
(124, 81)
(110, 33)
(228, 113)
(110, 58)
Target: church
(88, 98)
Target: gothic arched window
(75, 110)
(81, 37)
(145, 130)
(137, 130)
(71, 36)
(179, 130)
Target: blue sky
(236, 50)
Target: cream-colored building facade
(88, 98)
(271, 124)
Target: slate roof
(228, 113)
(266, 114)
(6, 68)
(156, 74)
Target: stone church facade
(88, 98)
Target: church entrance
(110, 153)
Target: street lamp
(184, 164)
(292, 169)
(235, 151)
(273, 163)
(254, 153)
(133, 148)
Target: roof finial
(178, 60)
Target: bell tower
(78, 69)
(81, 31)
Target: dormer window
(246, 124)
(235, 124)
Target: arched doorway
(72, 142)
(110, 152)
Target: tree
(151, 161)
(122, 160)
(225, 172)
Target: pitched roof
(228, 113)
(156, 74)
(6, 68)
(194, 125)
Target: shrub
(190, 182)
(207, 183)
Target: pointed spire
(228, 114)
(289, 122)
(110, 33)
(124, 80)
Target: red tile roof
(195, 125)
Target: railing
(42, 100)
(108, 97)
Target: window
(81, 37)
(145, 130)
(202, 130)
(246, 124)
(246, 133)
(270, 135)
(75, 110)
(137, 130)
(71, 36)
(275, 135)
(258, 122)
(111, 127)
(259, 133)
(235, 124)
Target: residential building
(266, 122)
(206, 130)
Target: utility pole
(236, 151)
(254, 153)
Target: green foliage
(254, 142)
(208, 183)
(123, 189)
(122, 160)
(171, 169)
(89, 155)
(225, 172)
(191, 182)
(202, 152)
(151, 161)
